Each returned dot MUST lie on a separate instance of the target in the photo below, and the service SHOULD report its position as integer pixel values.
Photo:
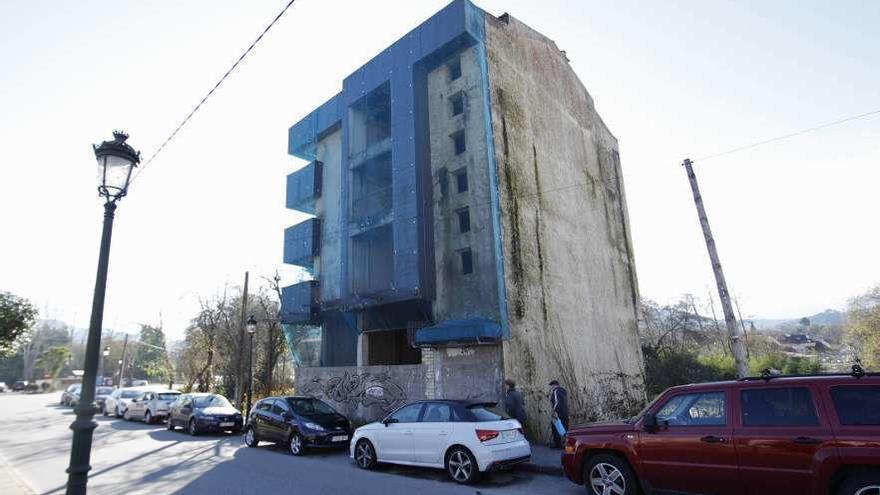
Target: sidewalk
(544, 461)
(11, 483)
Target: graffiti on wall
(359, 389)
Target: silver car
(117, 402)
(151, 405)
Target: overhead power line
(211, 92)
(786, 136)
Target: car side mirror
(388, 421)
(649, 422)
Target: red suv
(773, 435)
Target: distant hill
(827, 317)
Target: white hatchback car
(465, 438)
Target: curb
(541, 469)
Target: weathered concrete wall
(571, 284)
(363, 393)
(455, 291)
(466, 372)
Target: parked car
(201, 412)
(150, 405)
(465, 438)
(19, 385)
(101, 395)
(68, 394)
(299, 423)
(768, 435)
(117, 402)
(139, 383)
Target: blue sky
(794, 220)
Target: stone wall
(570, 276)
(363, 393)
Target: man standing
(513, 402)
(559, 406)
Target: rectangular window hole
(455, 69)
(467, 261)
(457, 101)
(464, 220)
(458, 142)
(461, 180)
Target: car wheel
(295, 444)
(250, 437)
(104, 411)
(604, 474)
(148, 417)
(191, 428)
(861, 484)
(462, 466)
(170, 425)
(365, 455)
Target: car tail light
(486, 435)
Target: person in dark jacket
(513, 402)
(559, 406)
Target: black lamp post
(251, 329)
(116, 160)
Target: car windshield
(211, 401)
(104, 391)
(129, 394)
(168, 396)
(310, 406)
(641, 413)
(484, 413)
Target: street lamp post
(116, 160)
(104, 363)
(251, 329)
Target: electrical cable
(786, 136)
(211, 92)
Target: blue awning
(469, 330)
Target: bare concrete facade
(571, 282)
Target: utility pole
(239, 379)
(122, 362)
(736, 342)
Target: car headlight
(313, 426)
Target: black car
(297, 422)
(203, 412)
(19, 385)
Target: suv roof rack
(768, 374)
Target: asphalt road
(130, 458)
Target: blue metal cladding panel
(301, 243)
(299, 302)
(302, 188)
(457, 25)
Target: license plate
(227, 424)
(508, 434)
(340, 438)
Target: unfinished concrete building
(470, 225)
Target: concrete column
(363, 349)
(428, 363)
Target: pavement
(134, 458)
(10, 481)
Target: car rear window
(484, 413)
(168, 396)
(310, 406)
(129, 394)
(857, 405)
(104, 391)
(778, 407)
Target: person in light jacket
(559, 406)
